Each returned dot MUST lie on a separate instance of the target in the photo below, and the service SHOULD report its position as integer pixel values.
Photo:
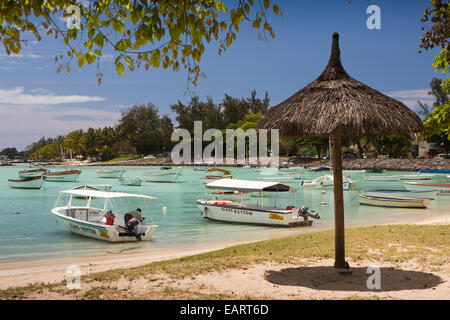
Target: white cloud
(411, 94)
(20, 125)
(18, 96)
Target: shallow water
(35, 234)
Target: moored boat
(420, 176)
(374, 170)
(240, 212)
(27, 183)
(422, 194)
(111, 173)
(126, 181)
(327, 181)
(164, 174)
(382, 178)
(109, 216)
(225, 174)
(393, 201)
(442, 188)
(64, 176)
(435, 171)
(27, 173)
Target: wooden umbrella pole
(339, 239)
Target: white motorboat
(27, 173)
(27, 183)
(126, 181)
(442, 188)
(164, 174)
(111, 173)
(421, 194)
(240, 212)
(327, 181)
(103, 215)
(65, 176)
(393, 201)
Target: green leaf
(120, 68)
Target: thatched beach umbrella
(337, 105)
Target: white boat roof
(104, 194)
(249, 185)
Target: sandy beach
(261, 280)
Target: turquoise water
(35, 234)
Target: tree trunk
(339, 239)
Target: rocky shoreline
(347, 164)
(387, 164)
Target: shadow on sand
(327, 278)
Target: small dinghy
(393, 201)
(374, 170)
(164, 174)
(110, 173)
(27, 183)
(126, 181)
(327, 181)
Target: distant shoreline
(347, 164)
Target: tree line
(142, 130)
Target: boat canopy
(250, 185)
(104, 194)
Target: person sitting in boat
(137, 214)
(110, 217)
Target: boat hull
(382, 178)
(419, 194)
(113, 174)
(27, 183)
(418, 177)
(393, 202)
(442, 188)
(245, 215)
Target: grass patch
(125, 157)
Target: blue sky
(35, 101)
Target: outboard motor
(132, 226)
(305, 212)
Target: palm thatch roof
(335, 103)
